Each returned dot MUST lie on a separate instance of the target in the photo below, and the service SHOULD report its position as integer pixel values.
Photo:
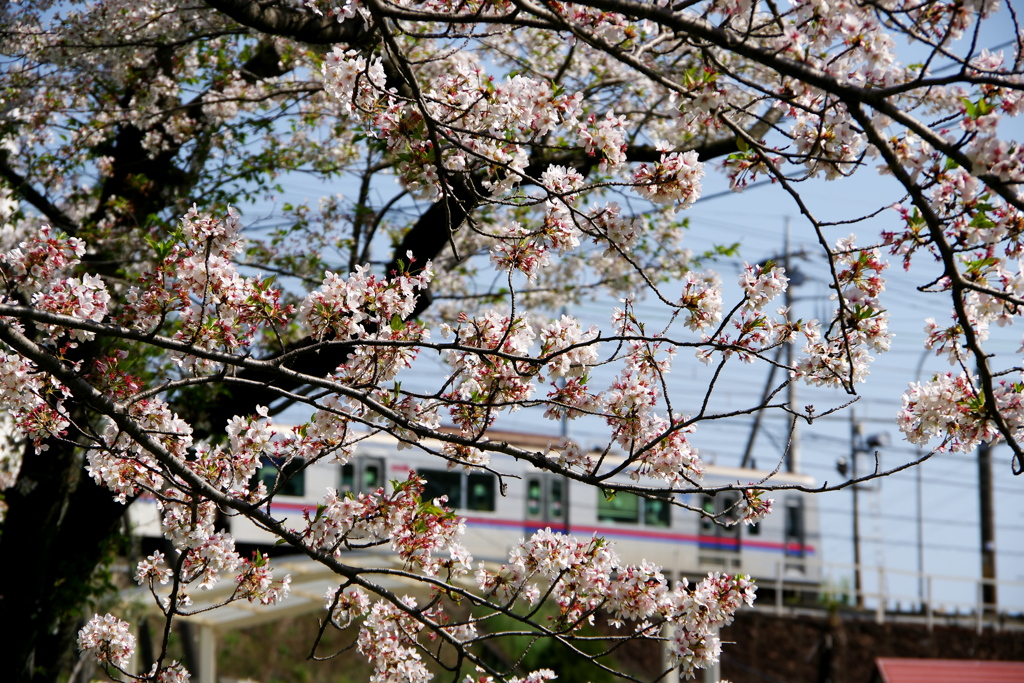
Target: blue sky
(889, 510)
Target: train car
(786, 545)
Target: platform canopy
(310, 582)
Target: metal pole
(779, 569)
(981, 605)
(713, 673)
(207, 654)
(793, 455)
(668, 632)
(988, 529)
(920, 537)
(880, 610)
(748, 453)
(928, 609)
(856, 436)
(565, 478)
(920, 507)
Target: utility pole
(858, 444)
(565, 478)
(920, 508)
(856, 437)
(988, 530)
(785, 354)
(920, 540)
(748, 453)
(793, 453)
(987, 523)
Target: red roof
(899, 670)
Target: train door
(720, 545)
(362, 475)
(546, 500)
(723, 508)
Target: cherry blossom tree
(545, 153)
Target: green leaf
(319, 511)
(972, 109)
(162, 249)
(982, 221)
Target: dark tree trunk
(58, 529)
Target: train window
(480, 492)
(794, 518)
(348, 478)
(545, 498)
(362, 475)
(479, 489)
(371, 476)
(794, 526)
(657, 511)
(722, 507)
(621, 507)
(555, 504)
(443, 483)
(533, 498)
(289, 479)
(731, 516)
(717, 535)
(707, 525)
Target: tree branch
(23, 188)
(290, 22)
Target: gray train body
(785, 545)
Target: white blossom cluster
(109, 639)
(840, 356)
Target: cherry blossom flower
(536, 168)
(108, 639)
(673, 180)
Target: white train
(785, 545)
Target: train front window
(443, 483)
(620, 507)
(480, 492)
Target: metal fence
(938, 598)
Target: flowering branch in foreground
(543, 154)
